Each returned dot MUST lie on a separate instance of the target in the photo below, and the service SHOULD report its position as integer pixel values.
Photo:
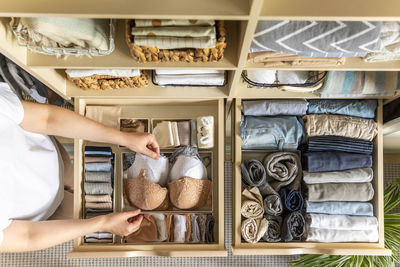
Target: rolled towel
(253, 173)
(342, 222)
(328, 161)
(292, 199)
(252, 203)
(273, 205)
(273, 233)
(282, 168)
(295, 107)
(340, 192)
(331, 235)
(252, 230)
(346, 126)
(340, 208)
(361, 175)
(293, 226)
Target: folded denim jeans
(342, 222)
(333, 235)
(362, 175)
(335, 161)
(349, 107)
(338, 125)
(293, 226)
(273, 133)
(340, 192)
(340, 208)
(295, 107)
(339, 143)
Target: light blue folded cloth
(349, 107)
(98, 188)
(98, 167)
(340, 208)
(295, 107)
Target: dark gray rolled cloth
(209, 235)
(253, 173)
(273, 233)
(328, 161)
(282, 168)
(293, 226)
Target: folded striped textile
(170, 42)
(186, 32)
(173, 22)
(339, 143)
(362, 175)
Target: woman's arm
(52, 120)
(27, 235)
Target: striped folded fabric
(338, 143)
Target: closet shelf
(155, 9)
(150, 91)
(352, 63)
(121, 58)
(371, 10)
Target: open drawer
(241, 247)
(153, 109)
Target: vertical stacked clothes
(272, 204)
(175, 34)
(338, 171)
(189, 77)
(98, 188)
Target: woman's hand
(122, 223)
(141, 142)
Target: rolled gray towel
(273, 233)
(273, 205)
(253, 173)
(282, 168)
(293, 226)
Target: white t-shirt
(30, 186)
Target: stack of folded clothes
(175, 228)
(338, 171)
(176, 40)
(98, 188)
(197, 132)
(102, 79)
(179, 181)
(272, 200)
(189, 77)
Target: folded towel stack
(189, 77)
(98, 188)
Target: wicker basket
(26, 41)
(153, 54)
(104, 82)
(315, 82)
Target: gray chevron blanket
(318, 38)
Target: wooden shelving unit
(241, 18)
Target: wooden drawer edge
(125, 254)
(298, 251)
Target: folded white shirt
(332, 235)
(361, 175)
(342, 222)
(77, 73)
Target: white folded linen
(179, 228)
(342, 222)
(331, 235)
(284, 77)
(187, 71)
(77, 73)
(216, 79)
(361, 175)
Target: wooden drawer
(240, 247)
(155, 109)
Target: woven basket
(153, 54)
(315, 82)
(104, 82)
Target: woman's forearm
(51, 120)
(28, 236)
